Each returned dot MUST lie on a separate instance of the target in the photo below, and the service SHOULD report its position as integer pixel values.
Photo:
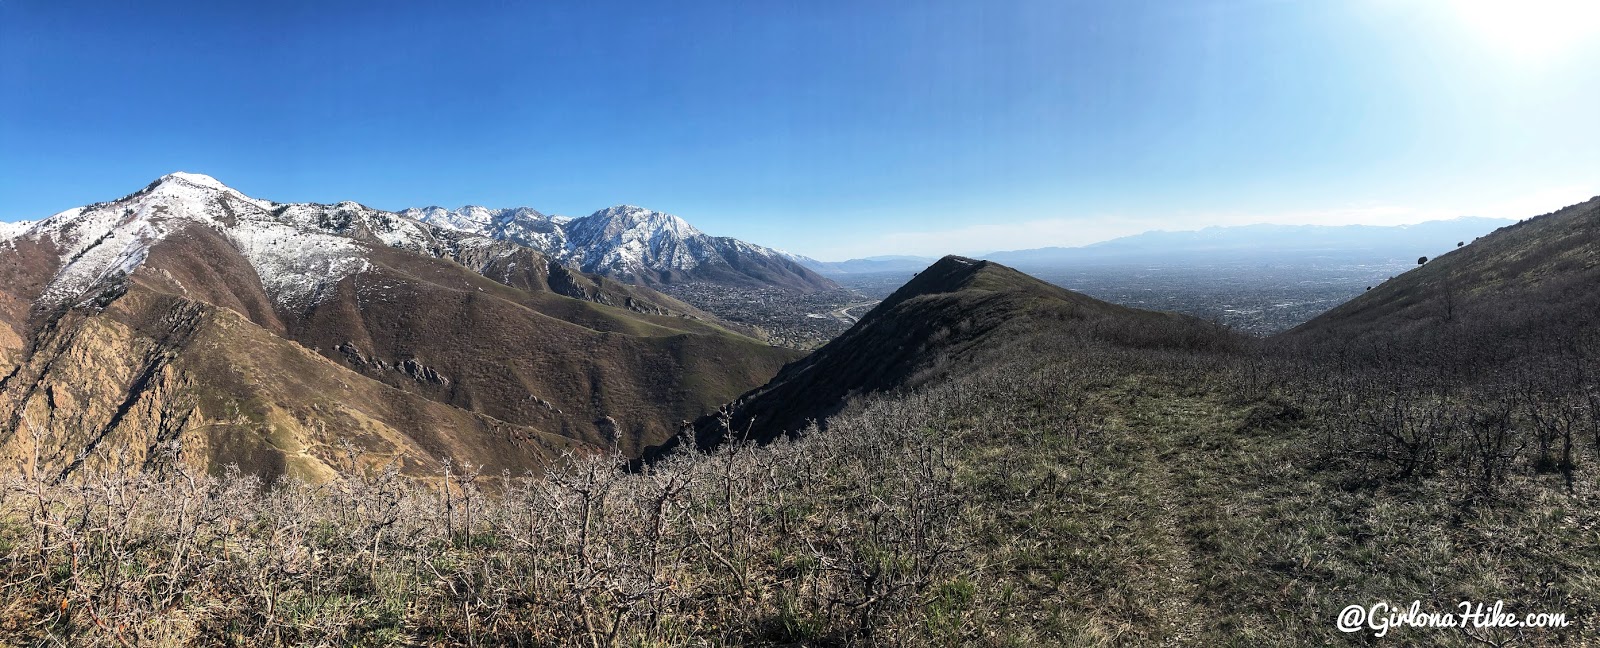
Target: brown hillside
(1523, 291)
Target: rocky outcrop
(410, 366)
(422, 373)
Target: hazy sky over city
(834, 129)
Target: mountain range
(633, 244)
(431, 334)
(190, 322)
(868, 265)
(1250, 244)
(1304, 244)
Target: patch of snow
(471, 218)
(408, 235)
(195, 187)
(197, 179)
(10, 231)
(292, 252)
(625, 240)
(296, 266)
(110, 257)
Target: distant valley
(1259, 279)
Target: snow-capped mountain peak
(470, 218)
(10, 231)
(636, 216)
(195, 179)
(300, 251)
(629, 242)
(291, 247)
(520, 225)
(194, 187)
(614, 221)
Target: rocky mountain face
(189, 322)
(635, 245)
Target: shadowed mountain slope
(953, 317)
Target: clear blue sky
(834, 129)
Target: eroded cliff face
(99, 389)
(10, 350)
(155, 379)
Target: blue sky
(834, 129)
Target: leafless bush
(844, 536)
(870, 532)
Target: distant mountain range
(1266, 243)
(633, 244)
(888, 263)
(1233, 244)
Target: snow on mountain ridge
(298, 250)
(301, 250)
(624, 240)
(10, 231)
(470, 218)
(521, 225)
(197, 179)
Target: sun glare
(1532, 29)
